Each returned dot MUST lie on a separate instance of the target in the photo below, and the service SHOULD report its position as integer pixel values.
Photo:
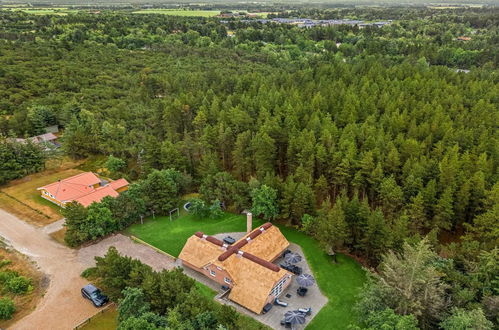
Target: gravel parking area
(128, 247)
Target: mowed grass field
(43, 11)
(179, 12)
(340, 282)
(170, 236)
(21, 198)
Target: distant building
(245, 267)
(84, 188)
(47, 140)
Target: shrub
(198, 208)
(7, 308)
(5, 262)
(89, 272)
(215, 210)
(5, 276)
(19, 285)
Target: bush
(19, 285)
(5, 276)
(89, 272)
(215, 210)
(198, 208)
(5, 262)
(7, 308)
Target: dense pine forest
(370, 139)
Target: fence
(138, 240)
(105, 308)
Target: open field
(21, 198)
(340, 281)
(179, 12)
(107, 320)
(43, 11)
(27, 302)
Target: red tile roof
(72, 187)
(80, 188)
(97, 195)
(117, 184)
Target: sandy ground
(62, 306)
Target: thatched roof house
(246, 266)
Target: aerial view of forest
(367, 134)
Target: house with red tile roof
(84, 188)
(246, 267)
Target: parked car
(93, 294)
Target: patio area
(313, 299)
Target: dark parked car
(94, 295)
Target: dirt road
(62, 307)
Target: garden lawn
(170, 236)
(107, 320)
(340, 282)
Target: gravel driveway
(62, 306)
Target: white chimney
(249, 222)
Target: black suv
(94, 295)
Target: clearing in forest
(21, 198)
(340, 282)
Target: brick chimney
(249, 222)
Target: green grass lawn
(206, 290)
(340, 281)
(179, 12)
(170, 236)
(107, 320)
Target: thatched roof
(247, 263)
(268, 246)
(252, 282)
(199, 252)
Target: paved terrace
(314, 298)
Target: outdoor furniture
(285, 324)
(294, 317)
(293, 258)
(266, 308)
(229, 240)
(292, 268)
(301, 291)
(280, 303)
(296, 270)
(305, 280)
(306, 311)
(286, 253)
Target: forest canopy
(367, 139)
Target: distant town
(308, 22)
